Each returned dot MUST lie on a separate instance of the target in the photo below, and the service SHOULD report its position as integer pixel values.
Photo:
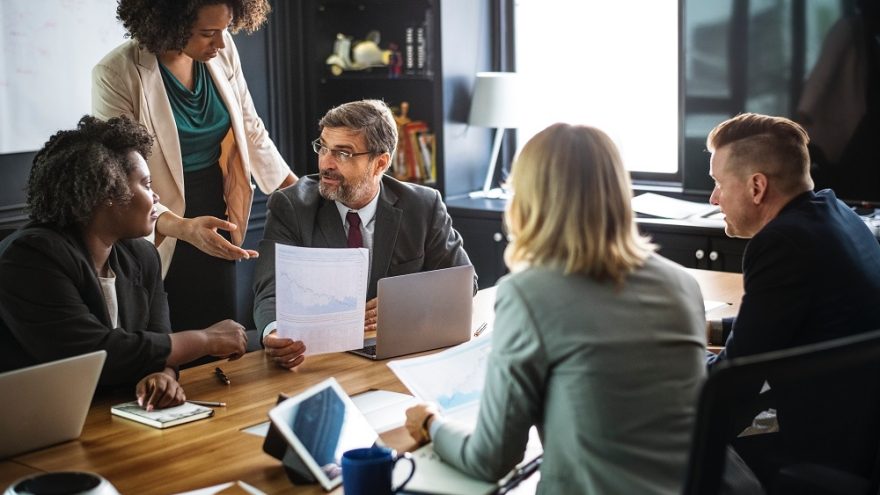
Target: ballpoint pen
(480, 329)
(221, 376)
(520, 475)
(207, 403)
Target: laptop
(47, 403)
(422, 311)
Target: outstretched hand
(201, 232)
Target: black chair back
(834, 387)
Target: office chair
(5, 232)
(818, 382)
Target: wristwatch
(426, 434)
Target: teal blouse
(201, 117)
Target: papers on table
(661, 206)
(231, 487)
(453, 379)
(319, 296)
(435, 476)
(711, 305)
(383, 409)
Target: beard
(348, 192)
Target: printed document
(320, 296)
(661, 206)
(453, 379)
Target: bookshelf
(441, 46)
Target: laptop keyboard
(369, 349)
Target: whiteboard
(47, 51)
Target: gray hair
(371, 117)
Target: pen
(208, 403)
(520, 475)
(480, 329)
(221, 376)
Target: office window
(612, 65)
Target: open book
(162, 418)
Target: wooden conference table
(136, 458)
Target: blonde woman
(598, 342)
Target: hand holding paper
(320, 298)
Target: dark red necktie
(355, 240)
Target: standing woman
(180, 76)
(598, 341)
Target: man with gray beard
(352, 203)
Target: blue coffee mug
(368, 471)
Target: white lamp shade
(495, 102)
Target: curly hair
(81, 168)
(163, 25)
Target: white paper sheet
(385, 410)
(713, 305)
(453, 379)
(320, 296)
(665, 207)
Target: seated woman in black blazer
(79, 277)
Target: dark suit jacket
(413, 233)
(810, 275)
(813, 274)
(52, 306)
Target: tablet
(320, 424)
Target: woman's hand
(418, 421)
(159, 390)
(201, 232)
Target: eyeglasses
(338, 155)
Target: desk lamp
(495, 104)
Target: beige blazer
(127, 81)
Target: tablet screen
(325, 423)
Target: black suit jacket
(52, 306)
(413, 233)
(813, 274)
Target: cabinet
(479, 221)
(447, 43)
(694, 246)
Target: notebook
(47, 403)
(422, 311)
(162, 418)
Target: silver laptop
(47, 403)
(422, 311)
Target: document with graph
(320, 296)
(453, 379)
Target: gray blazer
(609, 376)
(413, 233)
